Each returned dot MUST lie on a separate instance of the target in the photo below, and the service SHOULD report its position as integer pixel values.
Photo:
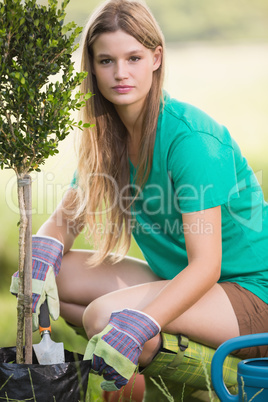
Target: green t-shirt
(197, 165)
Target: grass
(163, 389)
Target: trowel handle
(44, 321)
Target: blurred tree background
(217, 59)
(197, 20)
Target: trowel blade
(48, 351)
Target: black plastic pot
(65, 382)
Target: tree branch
(10, 125)
(58, 55)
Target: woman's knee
(96, 317)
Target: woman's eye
(134, 58)
(105, 61)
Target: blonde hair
(103, 167)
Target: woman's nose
(121, 71)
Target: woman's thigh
(79, 284)
(210, 321)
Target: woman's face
(124, 68)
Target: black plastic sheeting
(65, 382)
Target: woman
(167, 173)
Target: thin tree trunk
(22, 232)
(28, 270)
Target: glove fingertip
(53, 309)
(54, 317)
(109, 386)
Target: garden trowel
(47, 351)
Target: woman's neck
(132, 118)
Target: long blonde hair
(103, 168)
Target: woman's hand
(46, 263)
(115, 351)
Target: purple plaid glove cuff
(48, 252)
(131, 329)
(135, 325)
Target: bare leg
(210, 321)
(91, 294)
(78, 285)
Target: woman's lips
(123, 89)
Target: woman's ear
(157, 58)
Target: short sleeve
(203, 172)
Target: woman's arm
(60, 225)
(204, 249)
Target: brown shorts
(252, 317)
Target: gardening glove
(115, 351)
(46, 261)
